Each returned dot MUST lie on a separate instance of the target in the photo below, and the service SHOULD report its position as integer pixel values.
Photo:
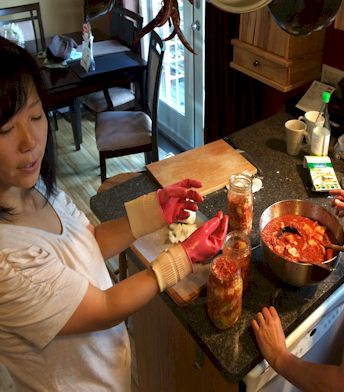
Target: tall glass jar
(238, 248)
(224, 292)
(240, 203)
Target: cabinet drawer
(275, 71)
(260, 65)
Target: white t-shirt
(43, 278)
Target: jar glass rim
(241, 180)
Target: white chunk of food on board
(179, 232)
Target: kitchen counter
(234, 351)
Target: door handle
(196, 26)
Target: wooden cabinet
(266, 52)
(168, 358)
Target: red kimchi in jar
(240, 203)
(238, 247)
(224, 292)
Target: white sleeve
(38, 293)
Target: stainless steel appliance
(319, 338)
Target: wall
(59, 16)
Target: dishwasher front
(320, 338)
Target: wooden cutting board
(147, 248)
(212, 163)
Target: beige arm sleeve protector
(144, 214)
(171, 266)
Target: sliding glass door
(181, 102)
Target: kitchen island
(178, 348)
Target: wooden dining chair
(28, 18)
(94, 9)
(120, 133)
(124, 24)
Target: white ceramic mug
(320, 141)
(295, 131)
(310, 118)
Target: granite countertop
(234, 351)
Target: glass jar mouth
(241, 181)
(224, 269)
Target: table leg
(75, 113)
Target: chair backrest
(28, 18)
(94, 9)
(154, 66)
(124, 25)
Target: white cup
(320, 141)
(310, 118)
(295, 131)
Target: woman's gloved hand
(153, 211)
(206, 242)
(174, 264)
(176, 198)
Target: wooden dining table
(66, 85)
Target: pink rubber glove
(174, 199)
(206, 242)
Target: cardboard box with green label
(322, 173)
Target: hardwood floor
(78, 172)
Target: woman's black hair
(18, 70)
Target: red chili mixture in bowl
(297, 238)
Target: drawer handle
(256, 63)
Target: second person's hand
(269, 334)
(338, 201)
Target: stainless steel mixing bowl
(299, 274)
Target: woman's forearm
(100, 310)
(113, 236)
(310, 376)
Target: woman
(305, 375)
(61, 320)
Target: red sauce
(308, 246)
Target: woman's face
(22, 144)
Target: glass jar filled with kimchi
(224, 292)
(238, 247)
(240, 203)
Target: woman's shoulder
(63, 203)
(56, 194)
